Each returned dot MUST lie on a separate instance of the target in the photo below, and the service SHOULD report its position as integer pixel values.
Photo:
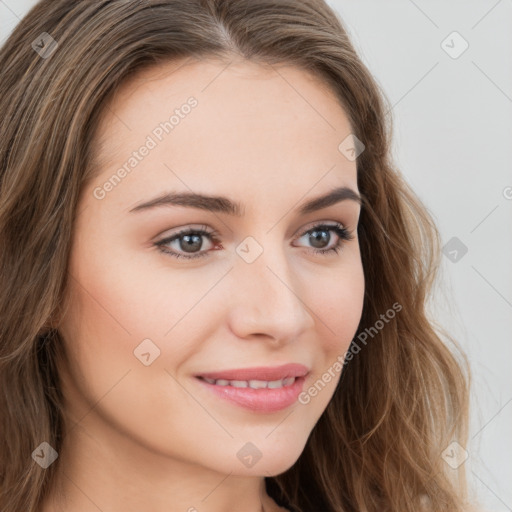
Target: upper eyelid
(328, 223)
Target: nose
(267, 301)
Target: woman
(176, 177)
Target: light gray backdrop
(446, 66)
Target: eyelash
(343, 233)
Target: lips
(262, 389)
(262, 373)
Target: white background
(453, 142)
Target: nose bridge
(266, 299)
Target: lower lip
(259, 400)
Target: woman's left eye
(190, 240)
(316, 235)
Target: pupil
(320, 238)
(191, 242)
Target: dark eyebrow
(224, 205)
(332, 197)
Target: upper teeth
(254, 384)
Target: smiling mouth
(261, 389)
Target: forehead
(250, 123)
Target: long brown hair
(400, 401)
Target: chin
(267, 456)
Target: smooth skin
(154, 438)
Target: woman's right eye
(187, 240)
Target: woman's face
(161, 347)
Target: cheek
(341, 304)
(129, 293)
(118, 303)
(112, 310)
